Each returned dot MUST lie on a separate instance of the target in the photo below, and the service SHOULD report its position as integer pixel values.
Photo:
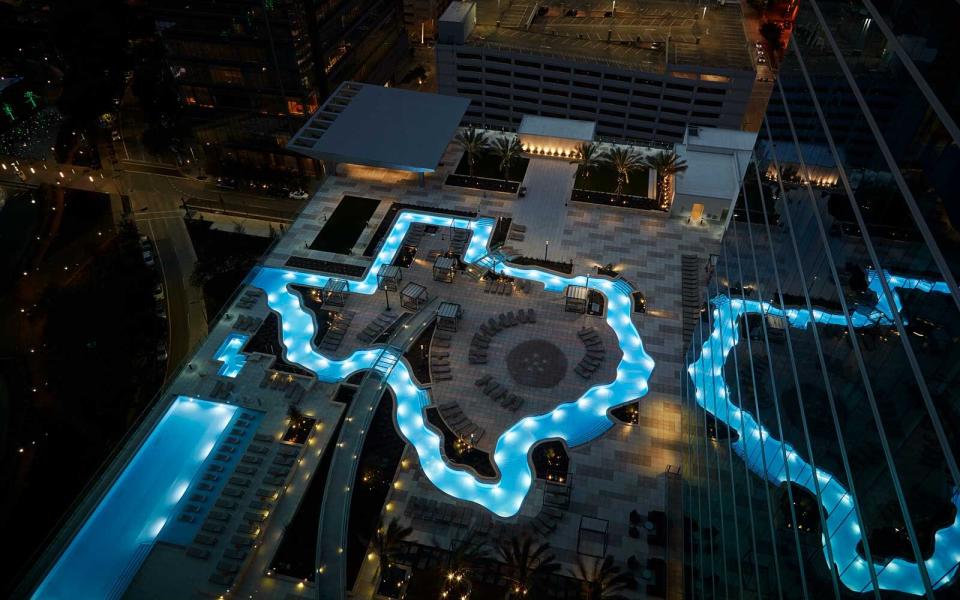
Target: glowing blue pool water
(105, 554)
(574, 422)
(778, 461)
(229, 354)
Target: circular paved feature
(537, 363)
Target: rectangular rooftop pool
(104, 555)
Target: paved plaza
(619, 472)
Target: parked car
(158, 293)
(299, 195)
(115, 135)
(162, 352)
(148, 258)
(161, 310)
(226, 183)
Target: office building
(249, 72)
(821, 409)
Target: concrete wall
(503, 85)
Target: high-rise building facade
(250, 71)
(821, 410)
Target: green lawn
(603, 178)
(488, 165)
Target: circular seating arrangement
(481, 340)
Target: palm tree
(474, 143)
(603, 580)
(589, 155)
(666, 164)
(388, 541)
(525, 562)
(464, 554)
(507, 148)
(623, 160)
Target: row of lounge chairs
(595, 352)
(377, 326)
(256, 510)
(501, 285)
(337, 329)
(415, 234)
(459, 424)
(481, 340)
(439, 365)
(282, 382)
(441, 339)
(428, 509)
(691, 290)
(222, 389)
(505, 320)
(248, 299)
(459, 240)
(516, 232)
(499, 393)
(245, 323)
(556, 494)
(221, 512)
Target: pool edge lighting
(588, 419)
(764, 454)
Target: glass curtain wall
(822, 406)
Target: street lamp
(546, 248)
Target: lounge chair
(483, 380)
(512, 319)
(583, 372)
(531, 315)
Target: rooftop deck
(267, 478)
(635, 37)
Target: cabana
(575, 299)
(389, 277)
(448, 316)
(444, 269)
(414, 296)
(335, 291)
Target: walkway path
(338, 493)
(549, 183)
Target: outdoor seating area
(444, 269)
(481, 340)
(441, 513)
(595, 352)
(459, 424)
(335, 292)
(245, 323)
(221, 497)
(459, 239)
(499, 285)
(249, 299)
(339, 323)
(413, 296)
(499, 393)
(372, 331)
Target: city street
(156, 194)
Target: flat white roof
(381, 127)
(456, 12)
(568, 129)
(716, 162)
